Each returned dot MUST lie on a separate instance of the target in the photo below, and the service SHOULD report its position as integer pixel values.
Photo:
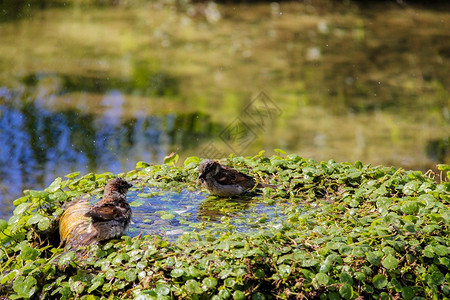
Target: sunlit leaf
(136, 203)
(322, 278)
(54, 186)
(191, 159)
(141, 165)
(390, 262)
(171, 159)
(3, 225)
(25, 286)
(72, 175)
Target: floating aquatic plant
(329, 231)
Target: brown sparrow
(224, 181)
(82, 224)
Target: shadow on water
(143, 82)
(439, 149)
(39, 144)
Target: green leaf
(168, 216)
(130, 275)
(141, 165)
(177, 273)
(162, 290)
(29, 253)
(345, 277)
(224, 294)
(445, 261)
(6, 277)
(443, 167)
(258, 296)
(25, 287)
(21, 200)
(3, 225)
(238, 295)
(280, 151)
(21, 208)
(410, 208)
(136, 203)
(360, 276)
(260, 153)
(435, 278)
(322, 278)
(407, 292)
(95, 283)
(379, 281)
(230, 282)
(54, 186)
(346, 291)
(410, 227)
(171, 159)
(259, 273)
(44, 224)
(72, 175)
(193, 286)
(191, 159)
(284, 271)
(390, 262)
(193, 271)
(411, 187)
(430, 228)
(374, 258)
(428, 251)
(441, 250)
(77, 286)
(66, 258)
(34, 219)
(38, 194)
(210, 282)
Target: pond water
(98, 88)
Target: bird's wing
(227, 176)
(105, 211)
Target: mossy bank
(330, 231)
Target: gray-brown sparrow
(224, 181)
(82, 224)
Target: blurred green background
(97, 86)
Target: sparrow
(224, 181)
(83, 224)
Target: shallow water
(161, 212)
(169, 214)
(95, 89)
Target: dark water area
(98, 87)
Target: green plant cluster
(335, 231)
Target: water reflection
(39, 144)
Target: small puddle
(168, 213)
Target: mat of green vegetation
(338, 230)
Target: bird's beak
(129, 185)
(201, 176)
